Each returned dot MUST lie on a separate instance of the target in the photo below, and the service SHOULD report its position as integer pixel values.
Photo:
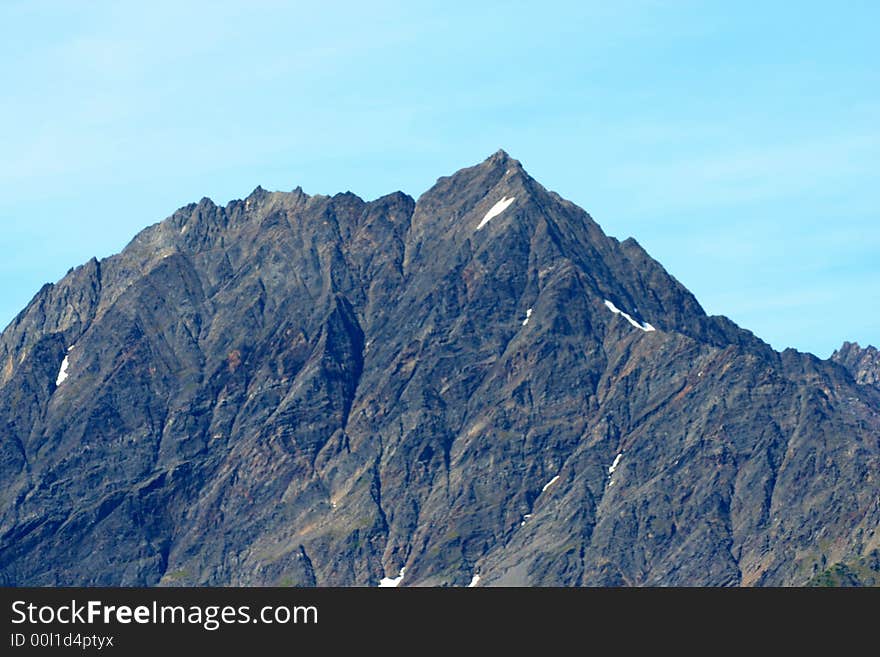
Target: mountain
(478, 387)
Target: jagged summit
(855, 347)
(323, 390)
(502, 158)
(499, 159)
(862, 363)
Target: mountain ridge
(322, 390)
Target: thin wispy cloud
(735, 175)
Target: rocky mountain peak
(323, 390)
(501, 158)
(862, 363)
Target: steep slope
(312, 390)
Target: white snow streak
(392, 582)
(496, 209)
(525, 517)
(528, 314)
(614, 465)
(647, 328)
(550, 483)
(474, 581)
(62, 373)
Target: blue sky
(738, 142)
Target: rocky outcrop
(863, 364)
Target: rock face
(312, 390)
(863, 364)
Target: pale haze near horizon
(738, 143)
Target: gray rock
(863, 364)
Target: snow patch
(474, 580)
(528, 314)
(496, 209)
(525, 517)
(644, 326)
(613, 466)
(392, 582)
(62, 373)
(550, 483)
